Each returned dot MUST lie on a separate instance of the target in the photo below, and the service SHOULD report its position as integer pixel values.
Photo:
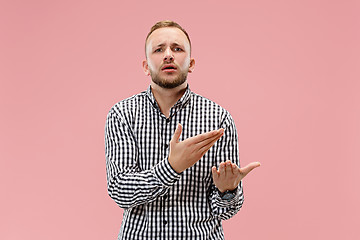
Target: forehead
(167, 35)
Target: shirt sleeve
(227, 149)
(127, 185)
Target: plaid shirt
(158, 202)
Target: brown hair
(163, 24)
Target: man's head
(167, 51)
(163, 24)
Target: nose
(168, 55)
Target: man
(163, 147)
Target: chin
(169, 82)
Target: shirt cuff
(226, 203)
(165, 173)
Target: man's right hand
(186, 153)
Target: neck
(166, 98)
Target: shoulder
(201, 100)
(126, 107)
(206, 104)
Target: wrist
(226, 190)
(227, 194)
(175, 166)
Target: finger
(215, 173)
(248, 168)
(222, 169)
(177, 133)
(234, 168)
(204, 136)
(228, 167)
(206, 145)
(210, 139)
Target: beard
(165, 83)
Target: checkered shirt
(158, 202)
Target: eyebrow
(173, 44)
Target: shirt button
(165, 222)
(167, 120)
(166, 146)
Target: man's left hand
(229, 175)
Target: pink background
(288, 71)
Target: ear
(192, 65)
(146, 68)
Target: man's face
(168, 57)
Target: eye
(158, 50)
(177, 49)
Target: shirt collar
(181, 102)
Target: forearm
(227, 149)
(132, 188)
(128, 184)
(225, 209)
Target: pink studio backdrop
(288, 71)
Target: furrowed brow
(177, 45)
(159, 45)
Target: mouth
(169, 68)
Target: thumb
(248, 168)
(177, 133)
